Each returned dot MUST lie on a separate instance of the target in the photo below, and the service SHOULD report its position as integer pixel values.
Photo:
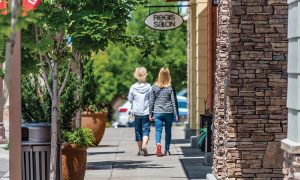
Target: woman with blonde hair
(162, 109)
(139, 98)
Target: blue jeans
(160, 119)
(142, 127)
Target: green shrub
(36, 101)
(80, 137)
(203, 134)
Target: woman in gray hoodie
(139, 98)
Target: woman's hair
(140, 74)
(164, 78)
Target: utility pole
(13, 59)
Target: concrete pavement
(3, 161)
(115, 158)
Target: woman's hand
(151, 118)
(177, 118)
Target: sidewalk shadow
(191, 152)
(103, 146)
(109, 152)
(195, 168)
(192, 160)
(125, 165)
(180, 141)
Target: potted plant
(74, 152)
(95, 119)
(36, 110)
(201, 140)
(93, 116)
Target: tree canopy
(114, 67)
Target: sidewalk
(3, 162)
(115, 158)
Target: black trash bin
(36, 160)
(36, 156)
(206, 120)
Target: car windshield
(182, 105)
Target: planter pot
(36, 132)
(74, 160)
(96, 122)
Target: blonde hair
(140, 74)
(164, 78)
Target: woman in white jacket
(139, 98)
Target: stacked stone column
(251, 89)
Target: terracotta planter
(96, 122)
(74, 160)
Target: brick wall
(252, 55)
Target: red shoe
(158, 150)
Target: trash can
(206, 121)
(36, 160)
(36, 154)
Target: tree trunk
(79, 78)
(54, 121)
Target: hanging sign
(3, 10)
(164, 20)
(29, 5)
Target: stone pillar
(250, 114)
(220, 134)
(291, 145)
(192, 67)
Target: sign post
(13, 58)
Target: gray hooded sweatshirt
(138, 96)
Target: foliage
(88, 86)
(114, 66)
(91, 25)
(203, 134)
(36, 102)
(6, 30)
(6, 146)
(96, 108)
(68, 103)
(79, 136)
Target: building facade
(248, 90)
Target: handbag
(131, 117)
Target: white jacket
(138, 96)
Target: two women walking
(156, 103)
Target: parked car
(182, 92)
(121, 116)
(182, 108)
